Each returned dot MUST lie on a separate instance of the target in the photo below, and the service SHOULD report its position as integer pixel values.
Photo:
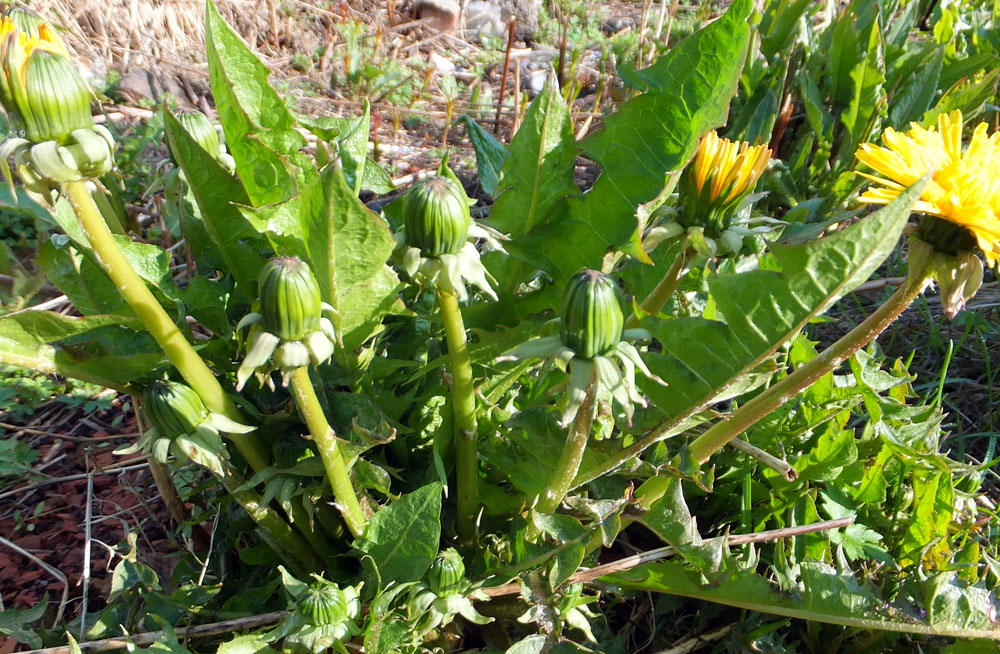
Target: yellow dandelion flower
(721, 174)
(964, 189)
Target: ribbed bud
(201, 130)
(290, 302)
(446, 573)
(436, 217)
(592, 319)
(26, 21)
(56, 99)
(288, 451)
(173, 408)
(324, 604)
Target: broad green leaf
(930, 518)
(866, 79)
(763, 309)
(970, 98)
(84, 280)
(829, 596)
(537, 176)
(843, 56)
(403, 536)
(779, 25)
(246, 644)
(530, 645)
(350, 136)
(685, 94)
(671, 520)
(490, 153)
(259, 128)
(217, 193)
(915, 98)
(834, 449)
(14, 623)
(949, 601)
(52, 343)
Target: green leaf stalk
(464, 404)
(326, 441)
(756, 409)
(133, 289)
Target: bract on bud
(592, 320)
(290, 302)
(173, 408)
(436, 217)
(446, 573)
(201, 129)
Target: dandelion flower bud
(290, 302)
(324, 604)
(174, 409)
(446, 573)
(592, 319)
(201, 130)
(436, 217)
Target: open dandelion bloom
(964, 189)
(721, 174)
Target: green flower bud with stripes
(289, 328)
(208, 135)
(53, 138)
(436, 217)
(444, 594)
(593, 345)
(447, 573)
(323, 615)
(592, 319)
(181, 425)
(324, 604)
(438, 241)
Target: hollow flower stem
(464, 405)
(572, 452)
(326, 441)
(134, 290)
(750, 413)
(665, 288)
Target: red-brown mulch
(57, 535)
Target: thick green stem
(326, 441)
(572, 453)
(280, 536)
(750, 413)
(134, 290)
(665, 289)
(464, 403)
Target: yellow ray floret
(965, 186)
(730, 167)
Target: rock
(441, 65)
(443, 14)
(484, 19)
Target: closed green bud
(592, 319)
(290, 303)
(290, 450)
(436, 217)
(173, 408)
(446, 573)
(56, 99)
(324, 604)
(201, 130)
